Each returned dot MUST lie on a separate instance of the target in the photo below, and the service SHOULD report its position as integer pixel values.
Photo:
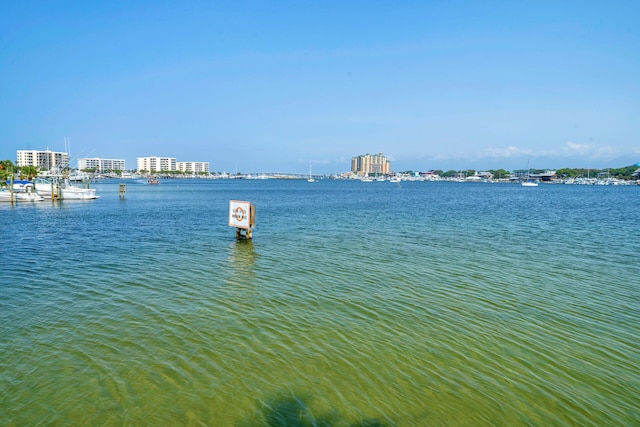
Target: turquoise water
(420, 304)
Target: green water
(423, 304)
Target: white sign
(239, 214)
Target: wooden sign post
(242, 216)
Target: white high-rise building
(45, 160)
(193, 167)
(156, 164)
(101, 164)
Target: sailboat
(529, 182)
(310, 179)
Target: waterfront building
(100, 164)
(193, 167)
(45, 160)
(156, 164)
(365, 164)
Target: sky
(279, 86)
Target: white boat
(67, 191)
(528, 182)
(70, 192)
(310, 179)
(78, 176)
(19, 196)
(20, 191)
(28, 197)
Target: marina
(412, 304)
(51, 188)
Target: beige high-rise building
(45, 160)
(193, 167)
(365, 164)
(100, 164)
(156, 164)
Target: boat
(28, 197)
(19, 196)
(6, 196)
(22, 192)
(366, 178)
(71, 192)
(310, 179)
(153, 180)
(79, 176)
(64, 190)
(528, 182)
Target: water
(423, 304)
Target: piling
(121, 190)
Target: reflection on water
(295, 410)
(241, 261)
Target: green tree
(623, 173)
(570, 173)
(29, 172)
(6, 169)
(499, 173)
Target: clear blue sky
(276, 85)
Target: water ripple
(421, 305)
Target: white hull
(67, 191)
(73, 194)
(5, 196)
(78, 194)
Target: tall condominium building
(45, 160)
(156, 164)
(101, 164)
(370, 164)
(193, 167)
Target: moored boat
(64, 190)
(23, 194)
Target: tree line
(625, 172)
(7, 168)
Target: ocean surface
(355, 304)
